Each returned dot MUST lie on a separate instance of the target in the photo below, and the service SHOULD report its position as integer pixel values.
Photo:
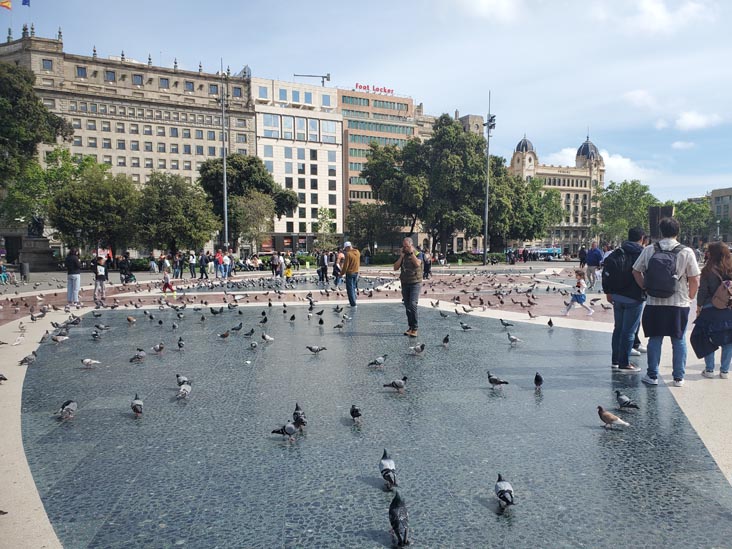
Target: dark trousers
(410, 296)
(204, 272)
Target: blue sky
(649, 77)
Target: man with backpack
(627, 298)
(669, 274)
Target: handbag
(722, 298)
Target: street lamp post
(489, 124)
(717, 230)
(224, 96)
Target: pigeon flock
(234, 292)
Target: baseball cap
(347, 244)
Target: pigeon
(89, 362)
(266, 337)
(538, 381)
(181, 344)
(320, 322)
(29, 359)
(101, 327)
(67, 410)
(399, 520)
(158, 348)
(339, 326)
(513, 340)
(224, 335)
(139, 356)
(315, 349)
(253, 345)
(136, 406)
(131, 320)
(378, 361)
(625, 401)
(550, 323)
(495, 381)
(505, 324)
(287, 430)
(250, 333)
(355, 413)
(609, 418)
(443, 315)
(59, 338)
(417, 349)
(298, 417)
(263, 321)
(504, 492)
(397, 384)
(96, 336)
(388, 470)
(184, 390)
(3, 378)
(320, 312)
(465, 327)
(216, 311)
(446, 341)
(180, 380)
(45, 337)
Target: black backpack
(617, 272)
(660, 277)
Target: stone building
(577, 185)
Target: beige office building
(300, 139)
(577, 185)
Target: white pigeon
(378, 361)
(418, 349)
(504, 492)
(89, 362)
(19, 339)
(267, 337)
(180, 380)
(158, 348)
(513, 339)
(184, 390)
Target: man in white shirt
(667, 316)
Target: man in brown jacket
(351, 262)
(411, 278)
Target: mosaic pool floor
(206, 472)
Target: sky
(647, 78)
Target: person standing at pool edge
(351, 262)
(411, 279)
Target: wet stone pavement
(206, 472)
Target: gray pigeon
(355, 413)
(625, 401)
(397, 384)
(184, 390)
(399, 520)
(2, 378)
(504, 492)
(417, 349)
(30, 359)
(180, 380)
(315, 349)
(378, 361)
(495, 381)
(298, 417)
(287, 430)
(388, 470)
(67, 410)
(136, 406)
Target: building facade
(299, 136)
(578, 185)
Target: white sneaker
(708, 373)
(633, 352)
(590, 312)
(642, 349)
(649, 380)
(724, 375)
(678, 382)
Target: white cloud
(682, 145)
(565, 157)
(619, 168)
(641, 98)
(692, 120)
(652, 16)
(502, 10)
(661, 124)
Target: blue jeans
(410, 295)
(627, 320)
(679, 356)
(73, 283)
(352, 287)
(726, 359)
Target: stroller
(128, 278)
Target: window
(312, 130)
(213, 89)
(236, 91)
(186, 133)
(164, 83)
(241, 138)
(331, 156)
(313, 184)
(161, 147)
(288, 167)
(77, 141)
(173, 164)
(271, 125)
(300, 129)
(174, 148)
(134, 145)
(331, 171)
(76, 123)
(160, 131)
(107, 160)
(106, 126)
(80, 72)
(199, 150)
(134, 128)
(148, 146)
(301, 199)
(301, 212)
(211, 135)
(308, 98)
(173, 132)
(186, 149)
(313, 154)
(119, 127)
(186, 164)
(331, 184)
(314, 198)
(301, 184)
(188, 85)
(147, 130)
(301, 154)
(161, 164)
(92, 142)
(288, 182)
(289, 226)
(47, 64)
(72, 106)
(361, 101)
(241, 123)
(121, 161)
(92, 107)
(313, 169)
(288, 152)
(302, 226)
(121, 145)
(269, 165)
(283, 94)
(332, 199)
(148, 163)
(295, 96)
(325, 100)
(301, 168)
(262, 93)
(314, 213)
(287, 126)
(199, 134)
(135, 162)
(106, 143)
(110, 76)
(268, 151)
(91, 124)
(137, 80)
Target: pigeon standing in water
(139, 356)
(181, 344)
(89, 362)
(287, 430)
(610, 419)
(504, 492)
(495, 381)
(388, 470)
(298, 417)
(446, 341)
(550, 323)
(505, 324)
(399, 520)
(67, 410)
(158, 349)
(538, 381)
(266, 337)
(315, 349)
(625, 401)
(398, 384)
(513, 340)
(136, 406)
(355, 413)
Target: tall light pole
(717, 230)
(490, 124)
(224, 96)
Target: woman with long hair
(713, 326)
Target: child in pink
(166, 283)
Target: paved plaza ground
(207, 472)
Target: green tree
(24, 122)
(325, 230)
(254, 214)
(370, 223)
(174, 214)
(96, 208)
(696, 220)
(243, 174)
(622, 206)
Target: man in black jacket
(627, 298)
